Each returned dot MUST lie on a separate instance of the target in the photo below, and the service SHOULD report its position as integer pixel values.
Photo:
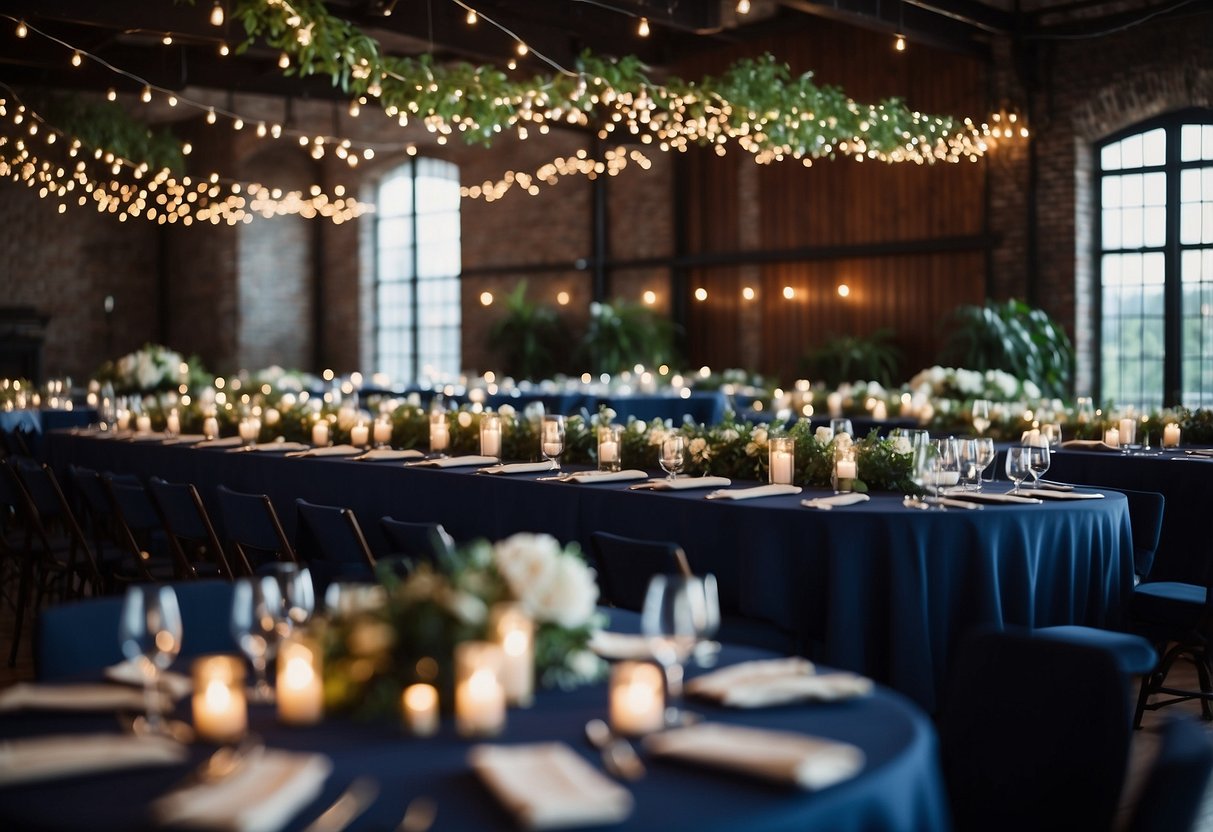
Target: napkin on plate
(780, 756)
(683, 483)
(72, 697)
(47, 758)
(771, 490)
(262, 795)
(225, 442)
(129, 672)
(836, 500)
(520, 468)
(387, 454)
(611, 645)
(550, 786)
(1088, 445)
(185, 439)
(762, 683)
(607, 476)
(329, 450)
(1049, 494)
(454, 461)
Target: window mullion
(1173, 290)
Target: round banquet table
(899, 788)
(877, 588)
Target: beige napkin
(225, 442)
(130, 672)
(276, 447)
(610, 645)
(387, 454)
(997, 497)
(47, 758)
(83, 697)
(1050, 494)
(684, 483)
(607, 476)
(455, 461)
(1088, 445)
(771, 490)
(759, 684)
(828, 503)
(520, 468)
(263, 795)
(185, 439)
(328, 450)
(781, 756)
(550, 786)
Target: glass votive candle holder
(320, 433)
(143, 423)
(419, 706)
(250, 429)
(172, 423)
(479, 696)
(637, 698)
(845, 471)
(1170, 435)
(360, 435)
(782, 459)
(219, 703)
(440, 432)
(383, 431)
(300, 687)
(610, 447)
(514, 630)
(210, 427)
(490, 435)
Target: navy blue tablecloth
(33, 423)
(876, 588)
(899, 790)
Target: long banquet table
(876, 588)
(899, 789)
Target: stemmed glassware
(673, 454)
(981, 415)
(948, 469)
(551, 442)
(1018, 466)
(260, 619)
(985, 458)
(1038, 462)
(150, 633)
(842, 425)
(676, 616)
(970, 471)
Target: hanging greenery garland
(104, 125)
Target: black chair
(190, 530)
(1015, 760)
(96, 509)
(625, 565)
(142, 532)
(1146, 509)
(427, 542)
(252, 526)
(331, 543)
(1175, 786)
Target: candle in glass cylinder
(1128, 431)
(210, 427)
(880, 411)
(124, 417)
(609, 437)
(173, 423)
(479, 697)
(360, 435)
(300, 690)
(490, 435)
(845, 472)
(637, 698)
(515, 632)
(320, 433)
(440, 432)
(1111, 437)
(250, 429)
(219, 705)
(1170, 436)
(419, 705)
(143, 423)
(782, 451)
(383, 431)
(834, 403)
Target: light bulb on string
(147, 95)
(22, 29)
(77, 58)
(472, 17)
(284, 61)
(210, 115)
(172, 101)
(167, 40)
(642, 28)
(223, 49)
(521, 49)
(111, 94)
(743, 6)
(217, 14)
(261, 130)
(899, 42)
(511, 64)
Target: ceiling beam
(916, 23)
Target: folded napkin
(759, 684)
(611, 645)
(837, 500)
(47, 758)
(147, 437)
(772, 490)
(225, 442)
(82, 697)
(520, 468)
(550, 786)
(1054, 486)
(997, 497)
(455, 461)
(276, 447)
(129, 672)
(1088, 445)
(683, 484)
(780, 756)
(185, 439)
(328, 450)
(607, 476)
(1048, 494)
(262, 795)
(388, 454)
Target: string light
(167, 40)
(701, 294)
(217, 14)
(899, 43)
(642, 28)
(472, 18)
(614, 161)
(747, 293)
(224, 51)
(743, 6)
(76, 58)
(146, 97)
(22, 29)
(111, 94)
(522, 49)
(284, 61)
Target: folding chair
(252, 527)
(190, 530)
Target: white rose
(842, 441)
(751, 449)
(699, 448)
(584, 664)
(569, 596)
(466, 607)
(760, 436)
(639, 427)
(901, 445)
(527, 561)
(657, 436)
(728, 435)
(1031, 390)
(823, 435)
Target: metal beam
(918, 24)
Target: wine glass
(259, 621)
(1018, 468)
(1038, 462)
(981, 415)
(150, 633)
(295, 591)
(706, 650)
(842, 425)
(970, 471)
(985, 458)
(948, 469)
(673, 617)
(923, 464)
(673, 454)
(551, 442)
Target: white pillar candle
(490, 435)
(880, 411)
(419, 705)
(1170, 436)
(320, 433)
(360, 435)
(383, 431)
(515, 632)
(210, 427)
(250, 429)
(440, 435)
(637, 698)
(173, 423)
(834, 403)
(1111, 437)
(300, 689)
(610, 439)
(782, 459)
(846, 469)
(219, 704)
(143, 423)
(1128, 431)
(608, 451)
(479, 696)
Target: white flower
(699, 449)
(901, 445)
(760, 436)
(823, 435)
(639, 427)
(751, 449)
(728, 435)
(506, 411)
(584, 664)
(656, 436)
(569, 596)
(466, 607)
(1031, 390)
(526, 561)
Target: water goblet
(981, 415)
(149, 631)
(1038, 462)
(259, 621)
(551, 442)
(1018, 468)
(970, 471)
(673, 618)
(948, 468)
(673, 454)
(986, 454)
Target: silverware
(355, 800)
(419, 816)
(914, 502)
(618, 756)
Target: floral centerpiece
(150, 369)
(409, 632)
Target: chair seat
(1168, 602)
(1134, 655)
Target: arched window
(1155, 239)
(417, 266)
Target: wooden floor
(1145, 741)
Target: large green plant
(873, 357)
(622, 335)
(531, 340)
(1014, 337)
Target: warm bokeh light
(650, 297)
(843, 290)
(562, 298)
(789, 292)
(486, 298)
(748, 293)
(701, 294)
